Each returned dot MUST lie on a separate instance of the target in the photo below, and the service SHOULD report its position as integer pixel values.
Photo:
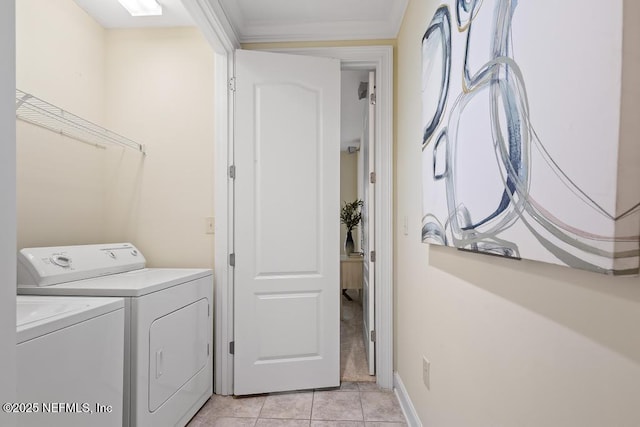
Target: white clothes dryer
(168, 362)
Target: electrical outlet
(426, 372)
(209, 225)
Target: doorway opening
(356, 351)
(379, 58)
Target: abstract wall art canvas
(528, 150)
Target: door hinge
(208, 310)
(208, 349)
(232, 171)
(372, 177)
(372, 98)
(232, 260)
(232, 84)
(232, 347)
(372, 256)
(373, 336)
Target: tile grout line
(260, 411)
(361, 405)
(310, 417)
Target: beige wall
(60, 182)
(511, 343)
(154, 86)
(160, 92)
(348, 192)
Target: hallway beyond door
(353, 358)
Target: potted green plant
(350, 216)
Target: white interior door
(287, 202)
(368, 233)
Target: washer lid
(40, 315)
(131, 284)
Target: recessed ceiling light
(142, 7)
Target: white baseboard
(405, 402)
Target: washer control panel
(52, 265)
(61, 260)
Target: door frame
(380, 59)
(212, 21)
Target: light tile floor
(354, 404)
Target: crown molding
(285, 31)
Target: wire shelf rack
(34, 110)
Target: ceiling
(110, 14)
(272, 20)
(283, 20)
(313, 20)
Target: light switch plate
(209, 225)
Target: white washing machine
(168, 351)
(69, 361)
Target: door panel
(286, 288)
(368, 222)
(287, 157)
(290, 326)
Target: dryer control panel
(59, 264)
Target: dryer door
(178, 350)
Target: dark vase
(348, 244)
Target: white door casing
(211, 20)
(286, 290)
(8, 208)
(368, 228)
